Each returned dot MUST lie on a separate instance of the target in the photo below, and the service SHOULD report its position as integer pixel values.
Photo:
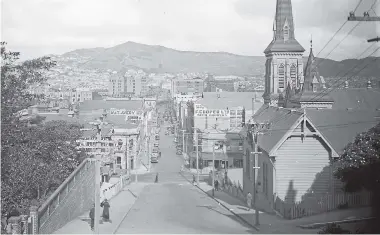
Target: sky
(40, 27)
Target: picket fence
(319, 204)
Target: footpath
(120, 206)
(272, 223)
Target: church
(308, 128)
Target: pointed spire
(284, 17)
(311, 42)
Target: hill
(159, 59)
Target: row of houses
(114, 131)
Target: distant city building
(75, 95)
(178, 86)
(128, 83)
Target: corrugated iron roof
(356, 98)
(340, 127)
(281, 120)
(228, 99)
(108, 104)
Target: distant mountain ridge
(160, 59)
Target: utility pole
(365, 17)
(97, 196)
(213, 169)
(257, 128)
(196, 149)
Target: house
(298, 151)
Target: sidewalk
(120, 205)
(270, 223)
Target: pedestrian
(106, 210)
(216, 185)
(92, 216)
(249, 201)
(156, 180)
(193, 179)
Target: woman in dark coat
(106, 210)
(92, 217)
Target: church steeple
(283, 30)
(284, 64)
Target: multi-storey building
(75, 95)
(128, 83)
(185, 86)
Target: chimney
(346, 84)
(369, 84)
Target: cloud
(38, 27)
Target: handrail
(61, 187)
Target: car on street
(154, 159)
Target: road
(173, 205)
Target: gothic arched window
(293, 75)
(281, 76)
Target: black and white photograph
(190, 116)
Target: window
(286, 33)
(281, 76)
(293, 75)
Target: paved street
(174, 205)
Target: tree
(359, 168)
(36, 156)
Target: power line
(373, 60)
(343, 77)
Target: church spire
(284, 20)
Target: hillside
(160, 59)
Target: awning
(218, 156)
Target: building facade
(185, 86)
(128, 83)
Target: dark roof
(340, 127)
(59, 116)
(281, 120)
(280, 45)
(228, 99)
(218, 156)
(108, 104)
(356, 98)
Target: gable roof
(281, 121)
(340, 127)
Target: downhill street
(173, 205)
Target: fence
(319, 204)
(229, 187)
(114, 189)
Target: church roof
(284, 17)
(291, 45)
(312, 78)
(340, 127)
(356, 98)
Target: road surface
(173, 205)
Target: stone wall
(73, 198)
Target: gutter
(225, 207)
(346, 221)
